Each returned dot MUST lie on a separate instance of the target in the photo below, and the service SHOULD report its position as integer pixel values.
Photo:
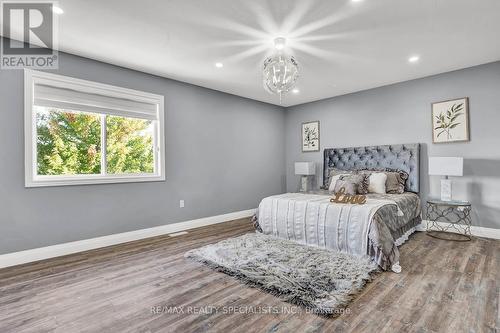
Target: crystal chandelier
(280, 71)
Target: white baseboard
(475, 230)
(22, 257)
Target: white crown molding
(22, 257)
(475, 230)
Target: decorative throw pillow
(353, 184)
(335, 175)
(349, 187)
(377, 182)
(396, 181)
(367, 174)
(361, 181)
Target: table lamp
(304, 169)
(446, 166)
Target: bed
(375, 229)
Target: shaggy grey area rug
(321, 280)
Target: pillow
(349, 187)
(335, 175)
(377, 182)
(360, 180)
(367, 174)
(396, 181)
(353, 184)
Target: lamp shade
(305, 168)
(446, 166)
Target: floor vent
(178, 234)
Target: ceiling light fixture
(356, 0)
(57, 10)
(219, 64)
(295, 91)
(280, 71)
(279, 43)
(413, 59)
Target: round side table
(456, 218)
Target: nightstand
(455, 216)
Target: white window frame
(32, 179)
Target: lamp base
(446, 189)
(303, 184)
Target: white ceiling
(341, 46)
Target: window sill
(46, 181)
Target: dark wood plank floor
(148, 286)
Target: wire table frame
(456, 216)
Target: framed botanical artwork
(310, 136)
(450, 121)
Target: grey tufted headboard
(404, 157)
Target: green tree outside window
(69, 143)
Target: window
(81, 132)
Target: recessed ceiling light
(356, 0)
(219, 64)
(57, 10)
(413, 59)
(279, 43)
(295, 91)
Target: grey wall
(224, 154)
(401, 113)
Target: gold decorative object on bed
(342, 197)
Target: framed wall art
(450, 121)
(310, 136)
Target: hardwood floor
(148, 286)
